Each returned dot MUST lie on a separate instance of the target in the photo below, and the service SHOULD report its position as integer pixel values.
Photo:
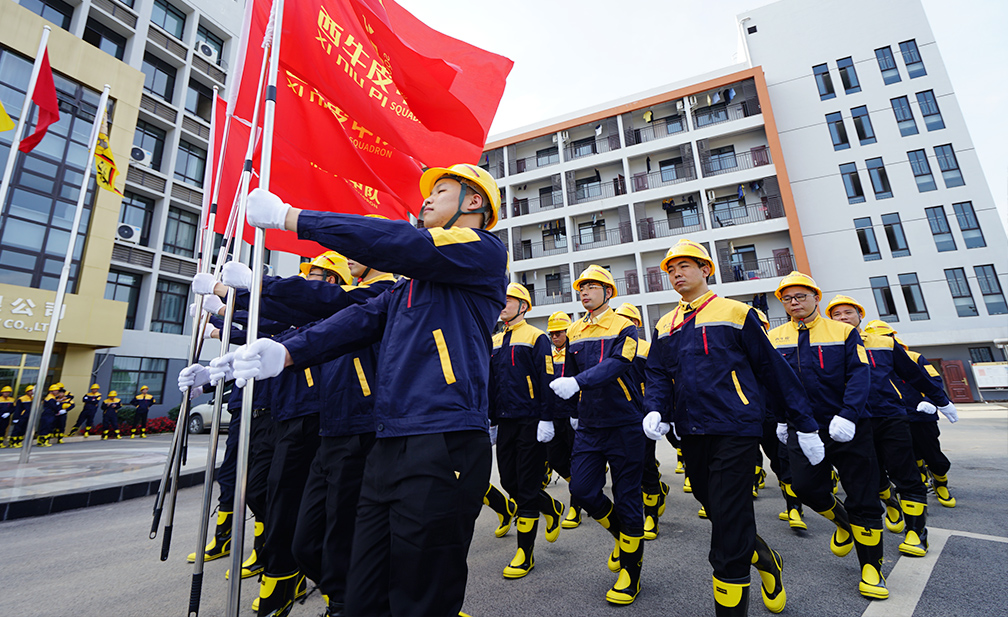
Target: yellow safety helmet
(630, 312)
(687, 248)
(144, 388)
(597, 274)
(95, 386)
(467, 174)
(55, 387)
(797, 278)
(113, 394)
(877, 326)
(842, 299)
(29, 389)
(518, 291)
(330, 260)
(6, 389)
(558, 321)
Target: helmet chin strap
(458, 212)
(367, 271)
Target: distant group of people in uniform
(57, 403)
(379, 401)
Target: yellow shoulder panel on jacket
(629, 349)
(455, 235)
(862, 354)
(643, 347)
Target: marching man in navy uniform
(110, 418)
(143, 402)
(19, 420)
(86, 418)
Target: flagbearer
(19, 420)
(143, 403)
(110, 415)
(86, 418)
(7, 405)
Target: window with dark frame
(921, 171)
(866, 238)
(722, 158)
(139, 211)
(862, 125)
(949, 166)
(929, 110)
(190, 163)
(848, 76)
(159, 77)
(547, 156)
(170, 303)
(852, 183)
(879, 178)
(884, 298)
(203, 35)
(973, 236)
(586, 188)
(990, 289)
(838, 133)
(669, 168)
(894, 234)
(169, 18)
(129, 373)
(56, 11)
(944, 241)
(887, 64)
(124, 287)
(961, 295)
(180, 232)
(913, 296)
(823, 82)
(151, 138)
(199, 100)
(104, 38)
(981, 354)
(904, 116)
(912, 59)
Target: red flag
(45, 98)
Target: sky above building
(570, 55)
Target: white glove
(262, 359)
(6, 415)
(926, 407)
(812, 446)
(236, 274)
(565, 387)
(221, 368)
(493, 435)
(654, 428)
(212, 304)
(265, 210)
(193, 376)
(574, 423)
(61, 412)
(208, 330)
(841, 429)
(782, 432)
(545, 431)
(949, 411)
(203, 283)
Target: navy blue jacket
(890, 363)
(521, 368)
(598, 356)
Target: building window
(990, 289)
(862, 125)
(169, 307)
(894, 234)
(168, 17)
(150, 138)
(886, 63)
(838, 133)
(591, 232)
(921, 171)
(823, 82)
(981, 354)
(180, 232)
(104, 38)
(124, 287)
(879, 179)
(884, 298)
(669, 168)
(929, 110)
(583, 147)
(587, 188)
(852, 183)
(138, 211)
(55, 11)
(912, 59)
(217, 43)
(940, 229)
(972, 234)
(199, 100)
(128, 374)
(904, 116)
(914, 297)
(159, 77)
(723, 158)
(547, 156)
(961, 296)
(866, 238)
(848, 76)
(949, 166)
(190, 163)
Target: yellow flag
(106, 170)
(6, 123)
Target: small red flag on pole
(45, 98)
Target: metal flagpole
(238, 530)
(33, 415)
(23, 118)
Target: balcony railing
(541, 297)
(530, 205)
(663, 177)
(602, 190)
(598, 239)
(533, 250)
(677, 223)
(777, 321)
(727, 213)
(629, 285)
(754, 269)
(658, 129)
(727, 163)
(709, 116)
(580, 149)
(533, 162)
(658, 281)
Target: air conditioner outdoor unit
(128, 233)
(564, 136)
(141, 156)
(692, 101)
(710, 196)
(554, 138)
(679, 105)
(207, 52)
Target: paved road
(98, 561)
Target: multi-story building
(763, 165)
